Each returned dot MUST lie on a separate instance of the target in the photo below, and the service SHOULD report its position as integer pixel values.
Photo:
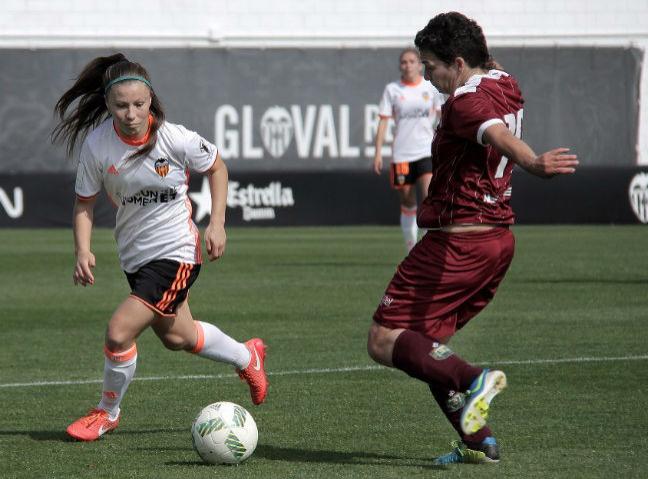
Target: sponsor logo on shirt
(147, 197)
(162, 167)
(416, 113)
(203, 147)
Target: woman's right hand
(378, 164)
(85, 261)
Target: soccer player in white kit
(415, 106)
(143, 163)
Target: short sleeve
(200, 154)
(385, 109)
(470, 116)
(89, 178)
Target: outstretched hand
(555, 162)
(215, 239)
(85, 261)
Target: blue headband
(125, 78)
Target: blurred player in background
(143, 163)
(454, 271)
(415, 106)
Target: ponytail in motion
(90, 89)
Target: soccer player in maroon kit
(454, 271)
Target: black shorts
(401, 174)
(162, 285)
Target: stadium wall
(329, 24)
(316, 109)
(581, 66)
(616, 195)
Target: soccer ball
(224, 433)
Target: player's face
(444, 77)
(410, 66)
(129, 103)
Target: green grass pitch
(569, 326)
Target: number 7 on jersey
(514, 124)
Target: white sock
(119, 369)
(214, 344)
(409, 227)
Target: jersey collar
(130, 141)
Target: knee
(378, 346)
(118, 340)
(372, 345)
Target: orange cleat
(93, 426)
(255, 374)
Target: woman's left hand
(215, 239)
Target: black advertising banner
(592, 195)
(290, 109)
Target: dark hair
(451, 35)
(91, 109)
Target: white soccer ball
(224, 433)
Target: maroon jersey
(471, 182)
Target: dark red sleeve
(469, 112)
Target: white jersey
(415, 109)
(150, 192)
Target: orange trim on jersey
(193, 229)
(136, 141)
(178, 284)
(122, 356)
(411, 83)
(385, 117)
(408, 211)
(153, 308)
(86, 198)
(200, 337)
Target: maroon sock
(431, 362)
(451, 404)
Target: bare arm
(215, 237)
(551, 163)
(83, 218)
(380, 138)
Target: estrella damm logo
(162, 167)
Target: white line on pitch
(295, 372)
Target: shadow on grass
(289, 454)
(61, 435)
(310, 456)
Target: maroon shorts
(445, 281)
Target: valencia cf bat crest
(162, 167)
